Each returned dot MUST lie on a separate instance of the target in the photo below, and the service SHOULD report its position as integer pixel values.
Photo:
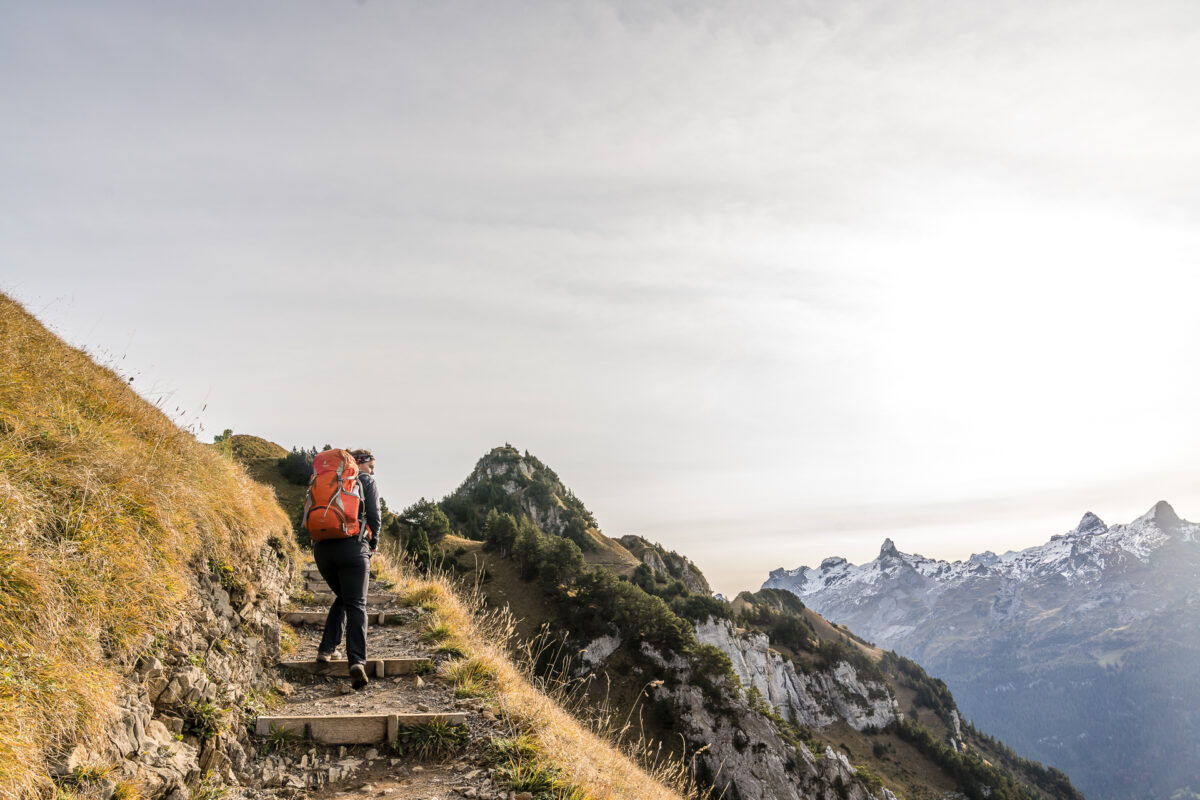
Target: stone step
(318, 617)
(352, 728)
(379, 667)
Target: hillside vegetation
(106, 511)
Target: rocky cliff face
(180, 724)
(814, 699)
(742, 752)
(1073, 652)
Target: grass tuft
(451, 649)
(279, 737)
(430, 740)
(471, 677)
(436, 633)
(502, 750)
(528, 776)
(289, 642)
(422, 596)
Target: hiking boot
(358, 676)
(323, 658)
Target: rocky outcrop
(597, 652)
(180, 719)
(815, 699)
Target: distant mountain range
(1082, 653)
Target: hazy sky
(764, 281)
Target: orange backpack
(331, 504)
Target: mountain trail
(327, 740)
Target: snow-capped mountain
(1081, 652)
(1079, 556)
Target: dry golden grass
(106, 509)
(600, 769)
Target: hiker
(345, 564)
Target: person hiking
(345, 564)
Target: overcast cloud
(766, 282)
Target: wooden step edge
(353, 728)
(318, 617)
(314, 574)
(372, 599)
(321, 587)
(379, 667)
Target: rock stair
(324, 712)
(328, 742)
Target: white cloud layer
(723, 265)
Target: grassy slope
(106, 509)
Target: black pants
(345, 564)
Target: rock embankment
(178, 724)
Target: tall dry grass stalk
(106, 511)
(590, 751)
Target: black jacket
(369, 516)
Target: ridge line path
(339, 746)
